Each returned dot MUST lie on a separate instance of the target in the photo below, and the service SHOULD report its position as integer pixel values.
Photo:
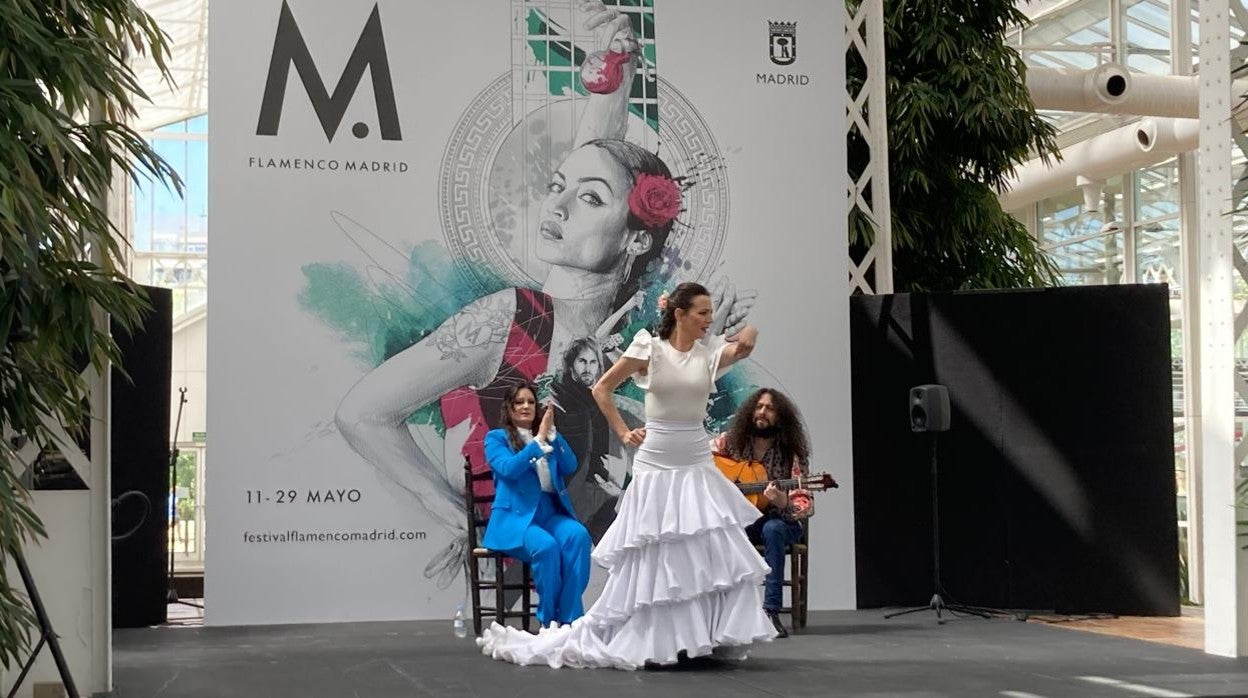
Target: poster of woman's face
(554, 168)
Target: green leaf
(960, 120)
(60, 61)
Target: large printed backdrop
(384, 179)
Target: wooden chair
(504, 591)
(795, 579)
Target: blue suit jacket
(517, 487)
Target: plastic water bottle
(460, 626)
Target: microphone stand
(171, 595)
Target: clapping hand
(548, 424)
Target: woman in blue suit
(532, 518)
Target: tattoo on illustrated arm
(485, 321)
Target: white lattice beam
(867, 114)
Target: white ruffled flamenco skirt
(683, 575)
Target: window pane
(1157, 254)
(168, 209)
(1146, 24)
(197, 124)
(1094, 261)
(171, 231)
(1083, 27)
(196, 179)
(1157, 194)
(1063, 219)
(143, 212)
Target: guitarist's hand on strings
(776, 496)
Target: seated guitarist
(768, 429)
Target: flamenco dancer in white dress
(683, 576)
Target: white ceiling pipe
(1068, 89)
(1169, 136)
(1144, 143)
(1111, 89)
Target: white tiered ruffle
(652, 634)
(672, 504)
(683, 574)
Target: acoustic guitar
(750, 476)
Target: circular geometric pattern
(496, 169)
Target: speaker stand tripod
(47, 636)
(938, 602)
(171, 595)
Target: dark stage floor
(849, 653)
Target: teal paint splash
(392, 311)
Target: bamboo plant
(67, 94)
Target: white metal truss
(868, 115)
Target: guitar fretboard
(755, 487)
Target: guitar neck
(756, 487)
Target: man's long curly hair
(790, 434)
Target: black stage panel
(1057, 486)
(140, 466)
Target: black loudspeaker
(929, 408)
(140, 457)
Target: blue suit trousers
(557, 547)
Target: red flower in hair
(654, 200)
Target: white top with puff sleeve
(677, 383)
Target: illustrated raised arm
(606, 115)
(465, 350)
(604, 330)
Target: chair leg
(795, 589)
(499, 595)
(528, 597)
(474, 583)
(804, 571)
